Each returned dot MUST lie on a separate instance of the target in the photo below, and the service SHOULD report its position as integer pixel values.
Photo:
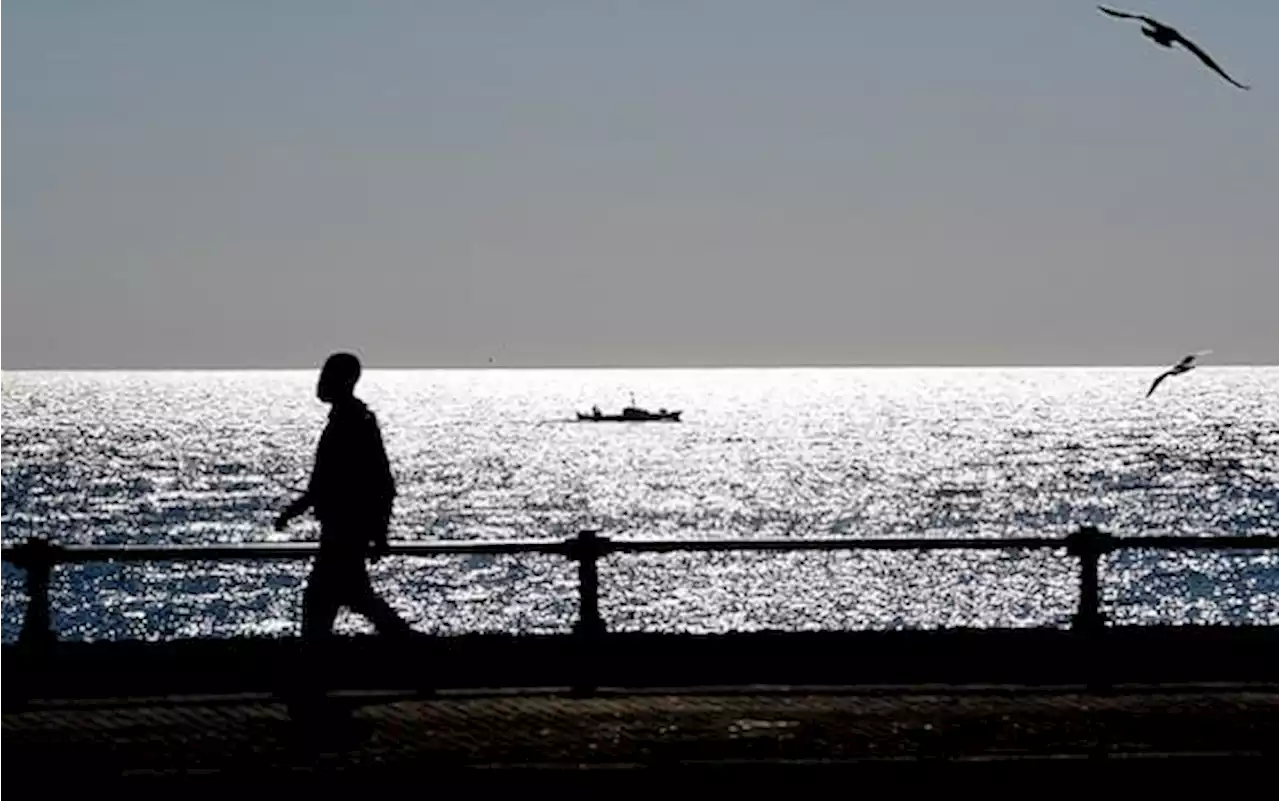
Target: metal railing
(38, 557)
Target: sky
(258, 183)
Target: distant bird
(1187, 363)
(1165, 36)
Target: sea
(164, 457)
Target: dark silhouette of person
(351, 492)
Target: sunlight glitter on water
(171, 457)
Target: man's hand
(291, 511)
(378, 546)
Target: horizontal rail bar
(281, 550)
(71, 554)
(1195, 543)
(838, 544)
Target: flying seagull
(1165, 36)
(1187, 363)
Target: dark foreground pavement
(1163, 741)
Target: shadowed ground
(1171, 712)
(894, 735)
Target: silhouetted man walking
(351, 491)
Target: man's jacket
(351, 483)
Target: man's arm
(303, 502)
(319, 468)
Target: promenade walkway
(1185, 736)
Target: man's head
(338, 377)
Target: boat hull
(669, 417)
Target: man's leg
(321, 600)
(368, 603)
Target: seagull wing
(1208, 62)
(1126, 15)
(1191, 357)
(1156, 383)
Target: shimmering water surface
(198, 457)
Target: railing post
(37, 556)
(1089, 544)
(587, 549)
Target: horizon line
(655, 367)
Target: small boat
(633, 414)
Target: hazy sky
(256, 183)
